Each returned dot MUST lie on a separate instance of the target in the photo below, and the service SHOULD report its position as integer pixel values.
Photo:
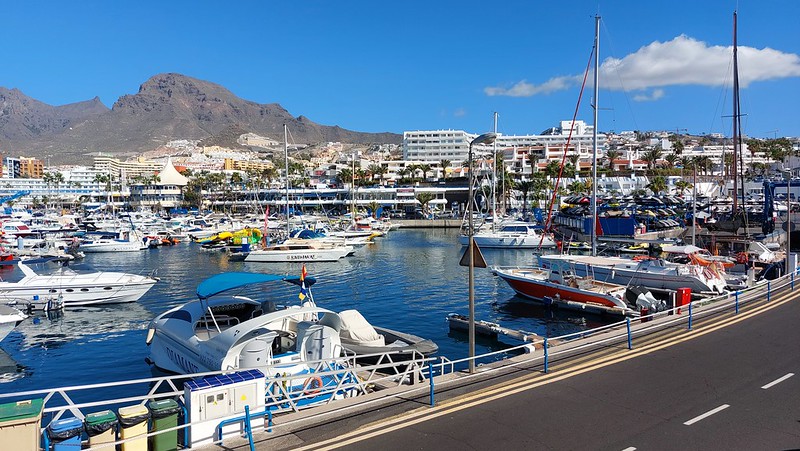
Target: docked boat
(650, 273)
(299, 250)
(547, 285)
(73, 287)
(127, 241)
(362, 338)
(220, 331)
(511, 235)
(9, 319)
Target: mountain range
(167, 107)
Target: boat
(699, 256)
(511, 235)
(295, 250)
(9, 319)
(126, 241)
(221, 331)
(550, 286)
(362, 338)
(73, 287)
(655, 273)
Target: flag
(303, 275)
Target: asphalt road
(705, 392)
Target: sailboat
(508, 234)
(297, 249)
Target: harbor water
(408, 280)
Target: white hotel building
(436, 145)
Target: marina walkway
(726, 384)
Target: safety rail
(347, 377)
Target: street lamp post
(486, 138)
(788, 173)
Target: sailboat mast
(594, 131)
(735, 121)
(494, 177)
(286, 159)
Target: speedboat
(9, 319)
(552, 285)
(651, 273)
(511, 235)
(362, 338)
(299, 250)
(221, 331)
(73, 287)
(127, 241)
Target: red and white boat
(543, 285)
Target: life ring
(741, 257)
(312, 385)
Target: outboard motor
(317, 341)
(257, 353)
(642, 298)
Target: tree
(424, 199)
(612, 155)
(533, 160)
(525, 187)
(657, 184)
(376, 169)
(681, 186)
(445, 164)
(671, 159)
(345, 175)
(425, 168)
(651, 156)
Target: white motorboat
(73, 287)
(9, 319)
(649, 273)
(221, 331)
(127, 241)
(299, 250)
(511, 235)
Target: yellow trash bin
(20, 424)
(133, 423)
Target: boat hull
(76, 292)
(544, 290)
(298, 255)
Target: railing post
(769, 290)
(690, 315)
(628, 325)
(545, 355)
(247, 428)
(430, 378)
(792, 280)
(737, 301)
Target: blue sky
(411, 65)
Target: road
(732, 387)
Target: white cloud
(681, 61)
(459, 112)
(654, 95)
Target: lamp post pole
(788, 218)
(486, 138)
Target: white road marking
(706, 415)
(630, 448)
(778, 381)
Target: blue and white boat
(222, 331)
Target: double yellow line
(524, 383)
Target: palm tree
(379, 170)
(424, 199)
(651, 156)
(657, 184)
(425, 168)
(671, 159)
(445, 164)
(612, 155)
(533, 160)
(412, 171)
(525, 187)
(345, 175)
(681, 186)
(402, 173)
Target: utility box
(20, 424)
(683, 296)
(101, 427)
(214, 399)
(65, 434)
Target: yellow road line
(525, 383)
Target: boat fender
(150, 333)
(312, 385)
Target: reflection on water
(409, 280)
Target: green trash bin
(165, 416)
(101, 427)
(20, 424)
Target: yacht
(74, 287)
(511, 235)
